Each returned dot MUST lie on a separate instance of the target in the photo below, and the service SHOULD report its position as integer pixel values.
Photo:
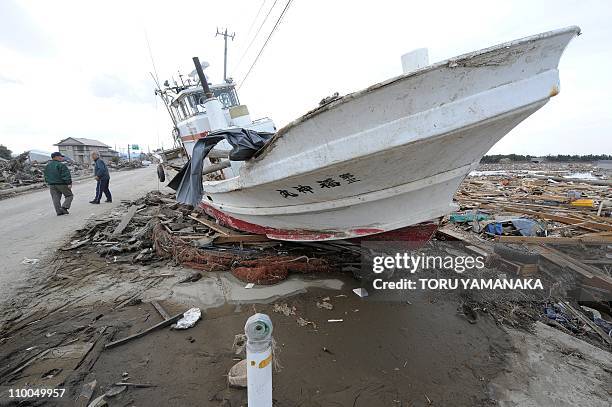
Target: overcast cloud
(5, 80)
(81, 69)
(114, 87)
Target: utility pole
(129, 158)
(225, 35)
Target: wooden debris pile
(567, 243)
(18, 171)
(156, 229)
(567, 209)
(573, 227)
(21, 171)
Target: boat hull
(393, 155)
(414, 236)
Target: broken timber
(595, 240)
(596, 226)
(125, 220)
(229, 235)
(162, 324)
(161, 310)
(592, 276)
(214, 226)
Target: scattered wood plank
(479, 249)
(125, 221)
(90, 360)
(552, 255)
(76, 245)
(591, 269)
(588, 322)
(99, 335)
(591, 226)
(526, 270)
(162, 324)
(143, 385)
(598, 182)
(241, 239)
(214, 226)
(591, 275)
(86, 393)
(30, 361)
(453, 234)
(596, 240)
(161, 310)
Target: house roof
(72, 141)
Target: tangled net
(266, 270)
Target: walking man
(57, 177)
(103, 178)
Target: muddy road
(31, 229)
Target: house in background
(80, 149)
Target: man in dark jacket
(57, 177)
(103, 178)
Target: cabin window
(227, 97)
(183, 110)
(197, 100)
(188, 108)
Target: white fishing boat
(383, 159)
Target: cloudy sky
(81, 68)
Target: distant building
(537, 160)
(39, 156)
(80, 149)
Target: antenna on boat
(159, 91)
(225, 36)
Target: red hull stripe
(194, 137)
(416, 233)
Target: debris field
(92, 323)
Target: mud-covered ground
(416, 352)
(431, 348)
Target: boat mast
(225, 36)
(203, 81)
(214, 108)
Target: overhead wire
(152, 60)
(255, 36)
(263, 2)
(278, 21)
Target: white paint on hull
(396, 152)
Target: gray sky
(81, 68)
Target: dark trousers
(102, 187)
(56, 196)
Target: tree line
(492, 159)
(5, 152)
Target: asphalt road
(29, 227)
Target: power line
(280, 18)
(256, 16)
(255, 36)
(152, 61)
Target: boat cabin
(195, 113)
(190, 102)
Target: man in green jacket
(57, 176)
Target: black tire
(160, 173)
(513, 254)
